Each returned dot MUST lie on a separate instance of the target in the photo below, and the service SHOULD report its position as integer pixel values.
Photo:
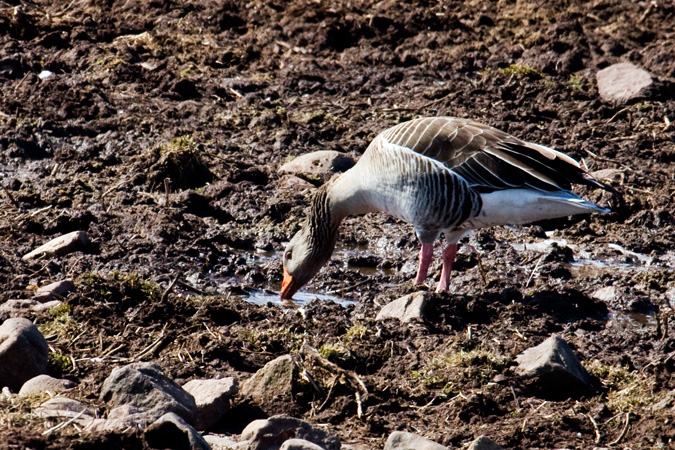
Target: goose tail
(521, 206)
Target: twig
(35, 213)
(623, 432)
(64, 424)
(192, 288)
(519, 334)
(647, 11)
(515, 397)
(167, 291)
(361, 393)
(622, 138)
(335, 291)
(150, 348)
(10, 197)
(536, 266)
(167, 192)
(595, 427)
(330, 392)
(112, 350)
(618, 112)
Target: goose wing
(488, 158)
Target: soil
(158, 127)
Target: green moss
(356, 331)
(120, 287)
(641, 106)
(442, 372)
(335, 352)
(59, 362)
(275, 339)
(519, 71)
(179, 147)
(628, 390)
(576, 82)
(62, 322)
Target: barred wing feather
(488, 158)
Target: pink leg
(426, 253)
(449, 254)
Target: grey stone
(402, 440)
(554, 369)
(23, 353)
(269, 434)
(299, 444)
(271, 387)
(606, 294)
(213, 399)
(172, 431)
(65, 408)
(622, 82)
(218, 442)
(17, 307)
(46, 306)
(322, 164)
(670, 296)
(144, 386)
(54, 291)
(125, 417)
(668, 402)
(407, 308)
(45, 383)
(294, 183)
(484, 443)
(61, 245)
(20, 307)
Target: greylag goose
(443, 175)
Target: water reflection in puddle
(624, 319)
(299, 299)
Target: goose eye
(288, 255)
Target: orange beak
(288, 287)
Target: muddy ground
(215, 96)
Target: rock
(293, 183)
(212, 398)
(271, 387)
(172, 431)
(622, 82)
(405, 309)
(65, 408)
(401, 440)
(23, 353)
(45, 383)
(484, 443)
(670, 296)
(555, 370)
(299, 444)
(220, 442)
(144, 386)
(45, 75)
(124, 417)
(54, 291)
(322, 164)
(19, 308)
(61, 245)
(46, 306)
(606, 294)
(268, 434)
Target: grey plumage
(443, 175)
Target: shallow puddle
(299, 299)
(625, 319)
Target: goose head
(304, 256)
